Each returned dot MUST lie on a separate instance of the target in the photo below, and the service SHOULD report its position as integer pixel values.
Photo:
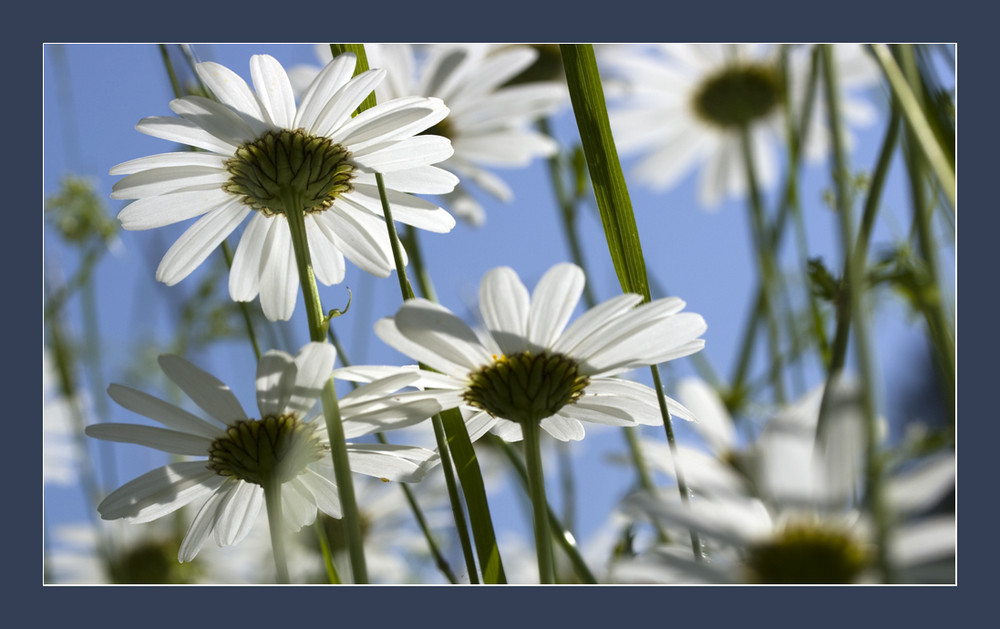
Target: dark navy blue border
(452, 20)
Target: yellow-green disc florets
(738, 95)
(282, 165)
(808, 554)
(526, 387)
(257, 450)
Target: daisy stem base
(272, 499)
(331, 408)
(536, 487)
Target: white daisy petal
(314, 367)
(169, 160)
(445, 335)
(340, 107)
(389, 462)
(167, 209)
(200, 240)
(215, 118)
(553, 302)
(297, 505)
(361, 236)
(321, 90)
(419, 180)
(159, 492)
(279, 277)
(590, 324)
(152, 437)
(504, 303)
(244, 276)
(238, 512)
(204, 389)
(328, 261)
(203, 523)
(163, 412)
(563, 428)
(184, 132)
(405, 208)
(273, 90)
(324, 492)
(276, 373)
(229, 88)
(158, 181)
(414, 152)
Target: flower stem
(439, 432)
(765, 264)
(272, 499)
(331, 408)
(854, 267)
(540, 506)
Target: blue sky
(703, 257)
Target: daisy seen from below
(534, 371)
(786, 508)
(306, 173)
(686, 107)
(532, 365)
(282, 450)
(490, 122)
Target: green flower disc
(282, 165)
(738, 96)
(806, 554)
(526, 387)
(259, 449)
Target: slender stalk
(439, 433)
(324, 547)
(917, 123)
(765, 264)
(411, 236)
(331, 408)
(561, 533)
(272, 500)
(536, 489)
(862, 344)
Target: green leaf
(606, 175)
(474, 490)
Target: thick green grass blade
(613, 200)
(471, 479)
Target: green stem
(536, 489)
(917, 123)
(561, 533)
(272, 499)
(331, 408)
(324, 547)
(854, 287)
(439, 433)
(765, 264)
(931, 302)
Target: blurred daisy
(261, 154)
(490, 122)
(787, 510)
(529, 366)
(243, 453)
(684, 106)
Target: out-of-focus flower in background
(490, 121)
(685, 107)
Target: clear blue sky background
(704, 257)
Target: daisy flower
(784, 509)
(242, 454)
(262, 156)
(685, 106)
(529, 365)
(490, 122)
